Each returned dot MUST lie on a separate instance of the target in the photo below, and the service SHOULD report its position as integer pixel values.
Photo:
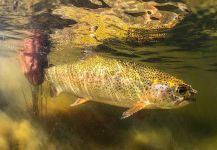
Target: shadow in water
(3, 101)
(31, 19)
(116, 51)
(101, 126)
(161, 59)
(47, 22)
(212, 67)
(88, 4)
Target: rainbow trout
(120, 83)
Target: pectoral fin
(79, 101)
(54, 91)
(136, 107)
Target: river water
(190, 54)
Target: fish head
(171, 94)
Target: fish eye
(182, 90)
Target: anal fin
(79, 101)
(135, 108)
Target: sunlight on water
(189, 53)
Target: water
(190, 54)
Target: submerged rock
(125, 21)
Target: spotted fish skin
(118, 83)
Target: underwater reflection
(33, 57)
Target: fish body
(120, 83)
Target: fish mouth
(192, 97)
(181, 102)
(187, 100)
(193, 92)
